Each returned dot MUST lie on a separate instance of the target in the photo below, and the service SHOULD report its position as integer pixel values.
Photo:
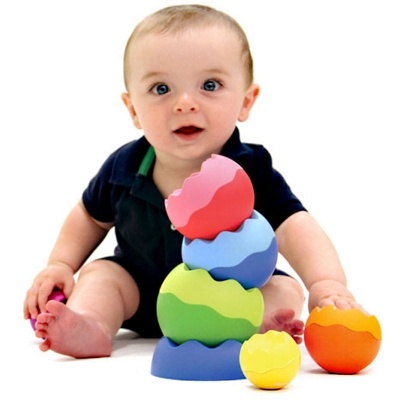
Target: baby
(189, 79)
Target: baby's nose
(186, 103)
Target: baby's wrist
(60, 266)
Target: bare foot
(283, 320)
(67, 332)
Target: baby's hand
(343, 303)
(332, 293)
(60, 276)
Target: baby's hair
(176, 19)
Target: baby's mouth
(188, 130)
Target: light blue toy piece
(247, 255)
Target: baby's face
(188, 90)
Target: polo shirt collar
(135, 162)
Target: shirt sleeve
(99, 196)
(273, 196)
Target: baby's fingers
(30, 304)
(36, 300)
(43, 295)
(342, 303)
(347, 305)
(68, 287)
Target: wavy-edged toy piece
(354, 319)
(194, 361)
(247, 255)
(181, 322)
(270, 360)
(228, 298)
(218, 198)
(342, 341)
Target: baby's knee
(295, 287)
(102, 269)
(286, 285)
(90, 268)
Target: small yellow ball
(270, 360)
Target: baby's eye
(211, 85)
(160, 89)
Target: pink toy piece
(56, 295)
(218, 198)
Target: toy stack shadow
(211, 303)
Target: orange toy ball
(342, 341)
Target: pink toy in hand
(56, 295)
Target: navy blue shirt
(129, 199)
(147, 245)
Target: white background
(328, 112)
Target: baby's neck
(169, 179)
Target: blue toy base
(196, 362)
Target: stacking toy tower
(211, 303)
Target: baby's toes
(297, 339)
(298, 328)
(45, 345)
(40, 333)
(43, 318)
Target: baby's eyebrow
(151, 75)
(216, 70)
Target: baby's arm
(312, 255)
(79, 236)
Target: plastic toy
(194, 361)
(342, 341)
(192, 305)
(270, 360)
(248, 254)
(218, 198)
(57, 295)
(211, 303)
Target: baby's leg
(104, 296)
(283, 299)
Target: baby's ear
(248, 102)
(131, 109)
